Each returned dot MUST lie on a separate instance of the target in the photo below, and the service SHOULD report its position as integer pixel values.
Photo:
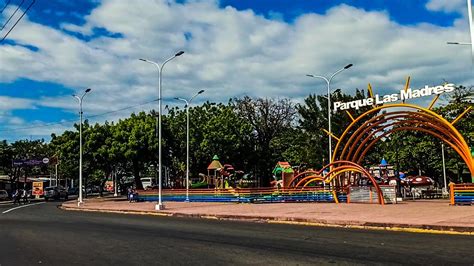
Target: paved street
(44, 234)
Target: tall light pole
(188, 102)
(160, 205)
(459, 43)
(115, 183)
(79, 98)
(471, 29)
(445, 189)
(328, 82)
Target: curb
(426, 229)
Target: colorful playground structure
(223, 176)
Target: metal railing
(247, 195)
(461, 194)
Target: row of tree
(251, 134)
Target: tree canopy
(251, 134)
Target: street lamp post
(79, 202)
(187, 138)
(115, 183)
(445, 189)
(328, 82)
(160, 205)
(459, 43)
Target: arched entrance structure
(367, 129)
(370, 127)
(338, 169)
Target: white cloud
(447, 6)
(231, 53)
(13, 103)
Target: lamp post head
(348, 66)
(201, 91)
(452, 42)
(141, 59)
(179, 53)
(88, 90)
(309, 75)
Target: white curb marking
(12, 209)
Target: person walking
(24, 196)
(16, 196)
(129, 193)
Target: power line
(16, 10)
(14, 25)
(8, 2)
(74, 120)
(122, 109)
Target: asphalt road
(44, 234)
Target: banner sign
(109, 186)
(37, 188)
(403, 95)
(30, 162)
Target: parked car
(73, 191)
(4, 195)
(55, 193)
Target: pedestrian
(24, 196)
(16, 196)
(129, 193)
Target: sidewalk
(419, 216)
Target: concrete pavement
(44, 234)
(418, 216)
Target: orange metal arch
(303, 174)
(360, 158)
(310, 177)
(334, 176)
(462, 149)
(336, 169)
(419, 119)
(312, 180)
(447, 139)
(368, 125)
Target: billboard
(109, 186)
(37, 188)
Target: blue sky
(401, 11)
(62, 47)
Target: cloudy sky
(232, 48)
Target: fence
(248, 195)
(368, 194)
(461, 194)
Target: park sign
(30, 162)
(402, 96)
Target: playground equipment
(418, 187)
(222, 176)
(215, 166)
(282, 174)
